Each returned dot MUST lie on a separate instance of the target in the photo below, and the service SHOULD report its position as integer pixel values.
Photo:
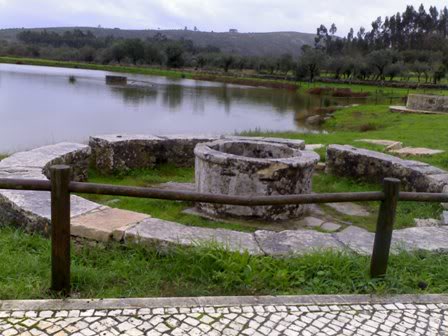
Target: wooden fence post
(384, 228)
(60, 229)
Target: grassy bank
(90, 66)
(115, 270)
(241, 79)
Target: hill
(246, 44)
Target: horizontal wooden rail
(191, 196)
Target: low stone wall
(427, 103)
(343, 160)
(117, 153)
(31, 210)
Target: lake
(46, 105)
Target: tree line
(412, 45)
(158, 50)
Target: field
(116, 270)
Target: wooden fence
(60, 187)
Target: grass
(115, 270)
(406, 211)
(346, 125)
(174, 211)
(167, 210)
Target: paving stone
(105, 224)
(427, 238)
(313, 147)
(390, 144)
(330, 227)
(444, 218)
(295, 242)
(176, 186)
(350, 209)
(310, 222)
(426, 222)
(152, 230)
(357, 239)
(417, 151)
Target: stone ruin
(250, 167)
(427, 104)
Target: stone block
(295, 242)
(105, 224)
(164, 233)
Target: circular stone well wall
(249, 168)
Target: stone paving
(244, 316)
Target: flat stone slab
(425, 238)
(390, 144)
(357, 239)
(152, 230)
(330, 227)
(350, 209)
(295, 242)
(105, 223)
(426, 222)
(418, 151)
(176, 186)
(313, 147)
(310, 222)
(444, 218)
(404, 109)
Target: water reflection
(41, 105)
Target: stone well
(246, 168)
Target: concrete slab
(105, 224)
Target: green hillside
(246, 44)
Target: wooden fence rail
(61, 187)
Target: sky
(207, 15)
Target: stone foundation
(375, 166)
(248, 168)
(119, 153)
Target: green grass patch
(114, 270)
(167, 210)
(346, 125)
(406, 211)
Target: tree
(174, 56)
(310, 63)
(379, 60)
(226, 62)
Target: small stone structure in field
(353, 162)
(427, 104)
(116, 80)
(250, 167)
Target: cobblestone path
(241, 319)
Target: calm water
(41, 105)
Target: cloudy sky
(207, 15)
